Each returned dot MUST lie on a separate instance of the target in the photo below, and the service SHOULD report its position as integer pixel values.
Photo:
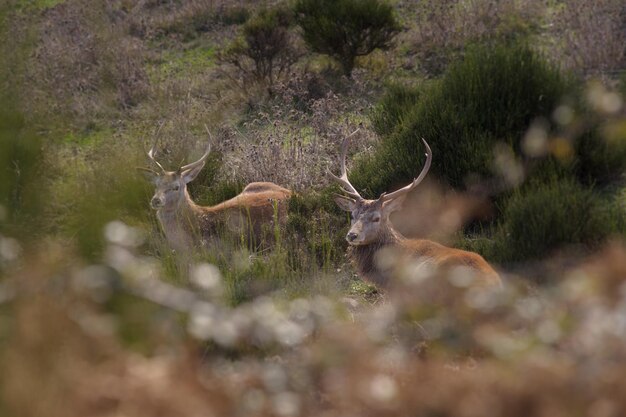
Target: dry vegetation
(432, 347)
(96, 319)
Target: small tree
(346, 29)
(265, 51)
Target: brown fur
(371, 233)
(253, 213)
(382, 236)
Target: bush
(543, 217)
(477, 120)
(266, 50)
(393, 107)
(346, 29)
(491, 96)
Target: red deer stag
(254, 212)
(371, 230)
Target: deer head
(370, 218)
(171, 186)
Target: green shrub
(544, 217)
(346, 29)
(266, 50)
(491, 96)
(393, 107)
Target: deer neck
(366, 262)
(181, 222)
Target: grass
(176, 63)
(38, 4)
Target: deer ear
(344, 203)
(191, 173)
(393, 205)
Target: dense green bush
(266, 50)
(393, 107)
(346, 29)
(484, 106)
(491, 96)
(544, 217)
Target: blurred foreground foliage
(99, 318)
(436, 345)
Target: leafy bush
(544, 217)
(393, 107)
(491, 96)
(478, 120)
(346, 29)
(265, 51)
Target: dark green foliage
(20, 162)
(601, 158)
(266, 50)
(346, 29)
(543, 217)
(110, 192)
(206, 190)
(492, 96)
(485, 103)
(393, 107)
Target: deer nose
(156, 202)
(351, 236)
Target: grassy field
(521, 102)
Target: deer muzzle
(156, 202)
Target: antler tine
(402, 191)
(343, 180)
(152, 151)
(203, 157)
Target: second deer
(255, 213)
(371, 231)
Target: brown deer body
(253, 214)
(372, 234)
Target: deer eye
(176, 187)
(376, 219)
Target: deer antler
(343, 180)
(202, 158)
(152, 151)
(402, 191)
